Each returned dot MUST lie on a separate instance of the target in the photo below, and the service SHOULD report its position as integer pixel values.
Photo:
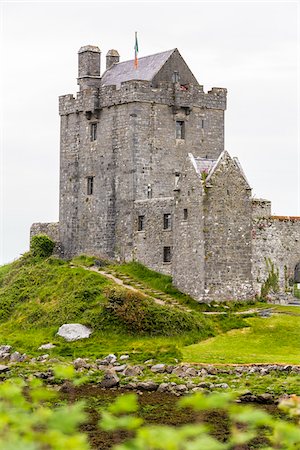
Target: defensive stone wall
(276, 241)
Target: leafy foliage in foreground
(27, 422)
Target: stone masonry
(144, 176)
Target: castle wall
(51, 230)
(227, 234)
(188, 255)
(149, 243)
(278, 240)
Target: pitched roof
(148, 67)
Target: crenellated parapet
(171, 94)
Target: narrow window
(185, 214)
(167, 221)
(202, 123)
(167, 254)
(180, 129)
(90, 185)
(141, 223)
(149, 191)
(93, 131)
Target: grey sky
(248, 47)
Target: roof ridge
(143, 57)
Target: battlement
(171, 94)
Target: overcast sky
(250, 48)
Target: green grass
(39, 295)
(272, 340)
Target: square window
(141, 223)
(185, 214)
(90, 185)
(167, 221)
(167, 254)
(180, 129)
(93, 131)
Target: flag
(136, 50)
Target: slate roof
(148, 67)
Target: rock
(180, 388)
(191, 372)
(47, 346)
(111, 358)
(17, 357)
(158, 368)
(81, 363)
(164, 387)
(133, 371)
(265, 398)
(74, 331)
(110, 379)
(44, 375)
(222, 386)
(123, 357)
(205, 385)
(42, 357)
(4, 350)
(147, 386)
(3, 368)
(120, 368)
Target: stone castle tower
(144, 176)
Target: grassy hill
(38, 295)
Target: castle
(144, 176)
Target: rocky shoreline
(114, 372)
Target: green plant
(140, 314)
(41, 246)
(271, 284)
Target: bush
(140, 314)
(41, 246)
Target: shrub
(41, 246)
(140, 314)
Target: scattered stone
(17, 357)
(123, 357)
(3, 368)
(81, 363)
(133, 371)
(221, 386)
(110, 379)
(191, 372)
(4, 350)
(42, 357)
(158, 368)
(120, 368)
(163, 387)
(205, 385)
(111, 358)
(181, 388)
(47, 346)
(147, 386)
(44, 375)
(74, 331)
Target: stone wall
(227, 233)
(188, 260)
(149, 243)
(278, 240)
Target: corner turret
(112, 57)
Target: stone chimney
(88, 66)
(112, 57)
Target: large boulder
(74, 331)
